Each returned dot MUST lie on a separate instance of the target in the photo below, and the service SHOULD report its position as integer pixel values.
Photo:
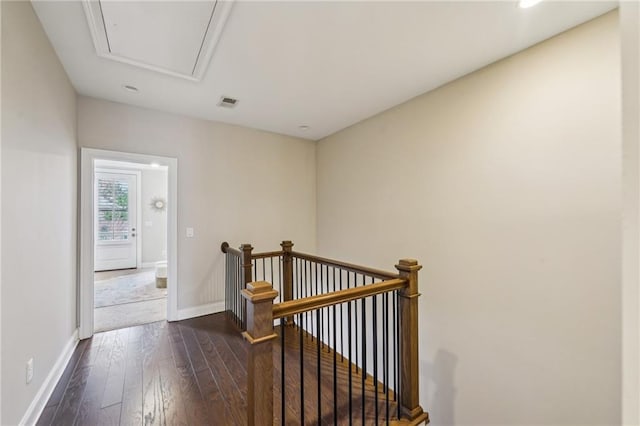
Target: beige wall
(630, 41)
(38, 207)
(234, 184)
(505, 185)
(154, 223)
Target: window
(113, 210)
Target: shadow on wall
(438, 387)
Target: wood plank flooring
(193, 372)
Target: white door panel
(115, 221)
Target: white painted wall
(505, 184)
(38, 208)
(154, 223)
(234, 184)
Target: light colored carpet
(128, 299)
(133, 287)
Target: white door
(115, 221)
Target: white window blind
(113, 210)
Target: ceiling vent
(173, 38)
(227, 102)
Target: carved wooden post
(246, 262)
(287, 271)
(409, 375)
(246, 279)
(260, 335)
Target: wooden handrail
(226, 248)
(377, 273)
(293, 307)
(266, 254)
(347, 266)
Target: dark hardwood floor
(193, 372)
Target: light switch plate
(189, 232)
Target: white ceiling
(326, 65)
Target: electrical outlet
(29, 370)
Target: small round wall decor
(158, 204)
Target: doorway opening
(130, 237)
(128, 240)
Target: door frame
(139, 236)
(86, 245)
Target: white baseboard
(44, 393)
(148, 265)
(198, 311)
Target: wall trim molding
(148, 265)
(198, 311)
(39, 402)
(88, 157)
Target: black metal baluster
(301, 377)
(319, 315)
(316, 268)
(272, 280)
(325, 282)
(299, 274)
(374, 307)
(394, 330)
(349, 355)
(398, 389)
(243, 304)
(385, 352)
(280, 261)
(319, 376)
(309, 293)
(335, 361)
(342, 321)
(358, 329)
(226, 282)
(240, 280)
(282, 369)
(304, 286)
(364, 354)
(236, 292)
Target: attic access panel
(171, 37)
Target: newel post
(246, 262)
(409, 375)
(287, 271)
(259, 296)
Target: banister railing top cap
(408, 265)
(259, 287)
(246, 247)
(224, 246)
(259, 291)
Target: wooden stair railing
(256, 311)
